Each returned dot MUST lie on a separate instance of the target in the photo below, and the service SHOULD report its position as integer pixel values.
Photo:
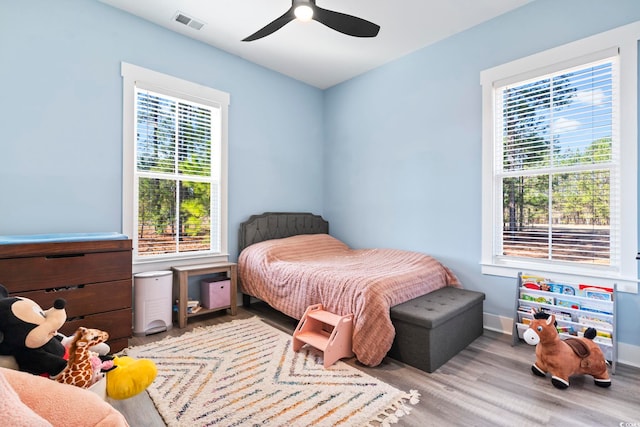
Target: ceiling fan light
(304, 13)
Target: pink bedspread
(292, 273)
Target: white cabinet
(575, 306)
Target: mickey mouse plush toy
(28, 333)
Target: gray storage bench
(434, 327)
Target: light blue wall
(400, 165)
(403, 142)
(61, 118)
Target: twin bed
(290, 261)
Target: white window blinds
(557, 166)
(178, 183)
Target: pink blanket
(292, 273)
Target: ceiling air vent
(189, 22)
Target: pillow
(302, 247)
(14, 412)
(62, 404)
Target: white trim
(625, 41)
(557, 66)
(190, 90)
(132, 75)
(495, 323)
(166, 264)
(628, 354)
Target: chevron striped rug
(245, 373)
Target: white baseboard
(495, 323)
(627, 354)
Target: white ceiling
(311, 52)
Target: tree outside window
(177, 187)
(556, 165)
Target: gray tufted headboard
(277, 225)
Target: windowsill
(627, 285)
(141, 265)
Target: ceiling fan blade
(272, 27)
(346, 24)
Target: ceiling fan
(306, 10)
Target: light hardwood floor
(488, 384)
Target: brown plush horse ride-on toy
(565, 358)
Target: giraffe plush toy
(84, 366)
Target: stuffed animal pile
(30, 335)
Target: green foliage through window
(177, 186)
(557, 158)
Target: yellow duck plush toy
(129, 377)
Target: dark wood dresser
(94, 277)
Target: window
(559, 151)
(174, 186)
(555, 163)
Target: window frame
(165, 84)
(624, 41)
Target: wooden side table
(181, 276)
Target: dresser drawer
(118, 324)
(94, 277)
(45, 272)
(86, 299)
